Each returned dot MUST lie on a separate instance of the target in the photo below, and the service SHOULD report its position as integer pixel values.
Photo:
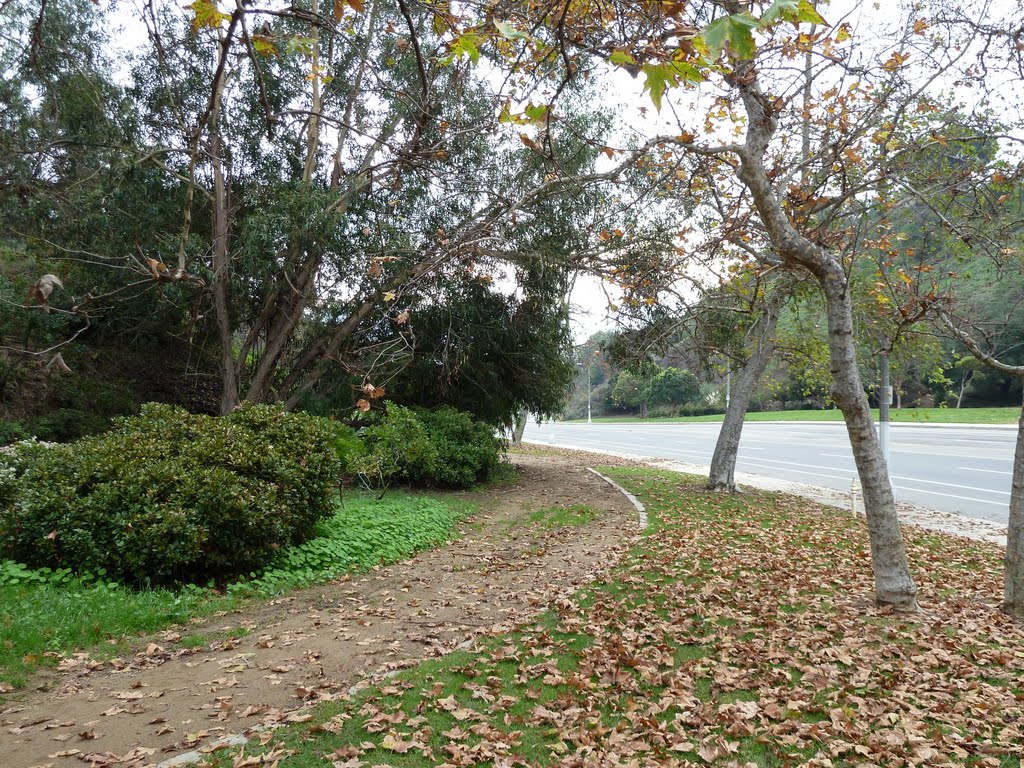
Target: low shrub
(172, 497)
(11, 432)
(397, 448)
(443, 448)
(468, 451)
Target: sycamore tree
(800, 117)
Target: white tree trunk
(893, 583)
(1013, 598)
(520, 427)
(721, 476)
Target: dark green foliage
(11, 431)
(66, 424)
(173, 497)
(397, 448)
(445, 447)
(487, 353)
(467, 451)
(672, 386)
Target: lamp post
(884, 398)
(590, 379)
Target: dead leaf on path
(128, 695)
(100, 759)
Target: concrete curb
(892, 424)
(198, 755)
(641, 510)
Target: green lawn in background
(909, 415)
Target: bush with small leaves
(172, 497)
(11, 432)
(397, 448)
(467, 451)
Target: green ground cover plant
(908, 415)
(47, 613)
(736, 633)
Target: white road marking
(991, 471)
(799, 464)
(950, 485)
(844, 478)
(951, 495)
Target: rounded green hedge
(173, 497)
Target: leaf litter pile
(739, 632)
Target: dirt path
(278, 658)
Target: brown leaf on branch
(57, 361)
(529, 142)
(41, 289)
(157, 268)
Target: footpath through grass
(737, 633)
(45, 615)
(907, 415)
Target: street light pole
(884, 398)
(590, 362)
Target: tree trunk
(1013, 598)
(643, 410)
(723, 462)
(221, 273)
(965, 379)
(520, 427)
(893, 583)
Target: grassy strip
(908, 415)
(738, 632)
(47, 614)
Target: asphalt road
(963, 469)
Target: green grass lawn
(46, 615)
(739, 632)
(911, 415)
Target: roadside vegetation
(735, 633)
(173, 516)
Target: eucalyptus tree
(292, 178)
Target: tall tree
(861, 101)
